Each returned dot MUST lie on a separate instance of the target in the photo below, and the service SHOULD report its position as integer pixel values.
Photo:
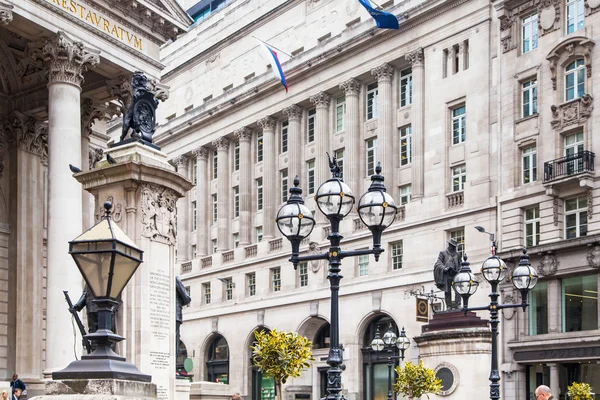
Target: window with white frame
(310, 125)
(194, 215)
(215, 162)
(459, 178)
(459, 236)
(259, 233)
(340, 114)
(236, 156)
(575, 80)
(276, 279)
(405, 87)
(259, 194)
(236, 201)
(310, 168)
(529, 32)
(214, 246)
(251, 283)
(372, 102)
(284, 136)
(573, 148)
(339, 156)
(259, 148)
(405, 145)
(397, 251)
(284, 185)
(371, 156)
(575, 14)
(529, 165)
(303, 274)
(405, 194)
(363, 265)
(195, 171)
(206, 291)
(576, 217)
(529, 98)
(228, 288)
(236, 240)
(215, 208)
(532, 226)
(459, 122)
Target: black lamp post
(494, 271)
(389, 342)
(107, 259)
(334, 198)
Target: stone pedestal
(98, 389)
(144, 189)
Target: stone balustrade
(228, 256)
(275, 245)
(455, 199)
(251, 251)
(186, 267)
(206, 262)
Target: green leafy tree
(580, 391)
(281, 355)
(414, 381)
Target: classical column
(554, 379)
(269, 175)
(385, 121)
(321, 101)
(416, 59)
(202, 201)
(244, 135)
(223, 193)
(89, 114)
(66, 60)
(183, 214)
(293, 113)
(351, 151)
(6, 15)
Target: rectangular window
(215, 208)
(284, 185)
(236, 202)
(310, 167)
(529, 97)
(405, 145)
(538, 309)
(259, 194)
(459, 177)
(405, 194)
(206, 291)
(236, 156)
(371, 156)
(339, 156)
(259, 233)
(405, 87)
(532, 226)
(459, 123)
(529, 31)
(363, 265)
(459, 236)
(284, 136)
(195, 171)
(372, 102)
(575, 80)
(575, 13)
(194, 251)
(228, 288)
(580, 303)
(529, 167)
(194, 215)
(576, 217)
(310, 125)
(214, 246)
(251, 283)
(215, 160)
(236, 240)
(303, 274)
(259, 148)
(276, 279)
(397, 251)
(340, 114)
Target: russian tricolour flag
(276, 65)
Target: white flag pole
(270, 45)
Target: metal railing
(569, 165)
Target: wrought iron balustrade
(574, 164)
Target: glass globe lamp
(334, 198)
(402, 343)
(494, 270)
(294, 219)
(377, 344)
(389, 338)
(464, 282)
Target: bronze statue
(140, 115)
(445, 269)
(183, 299)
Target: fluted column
(202, 201)
(66, 60)
(293, 113)
(385, 120)
(322, 172)
(351, 153)
(269, 176)
(223, 193)
(417, 59)
(6, 15)
(244, 135)
(183, 214)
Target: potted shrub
(414, 381)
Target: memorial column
(269, 175)
(223, 193)
(416, 59)
(385, 120)
(352, 127)
(202, 201)
(293, 113)
(183, 214)
(244, 135)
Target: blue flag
(383, 19)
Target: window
(236, 156)
(363, 265)
(339, 156)
(372, 106)
(215, 160)
(194, 214)
(195, 171)
(340, 114)
(276, 279)
(215, 208)
(259, 233)
(236, 202)
(529, 32)
(251, 283)
(194, 252)
(575, 12)
(228, 288)
(310, 166)
(529, 167)
(573, 148)
(259, 194)
(574, 80)
(284, 185)
(405, 145)
(214, 246)
(303, 274)
(371, 156)
(580, 303)
(397, 251)
(459, 131)
(259, 148)
(405, 194)
(206, 291)
(236, 240)
(459, 177)
(538, 309)
(405, 87)
(284, 136)
(310, 125)
(532, 226)
(529, 97)
(459, 236)
(217, 365)
(576, 217)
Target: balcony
(186, 267)
(565, 167)
(455, 199)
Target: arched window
(575, 80)
(375, 370)
(217, 363)
(263, 388)
(322, 337)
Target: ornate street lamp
(334, 199)
(390, 341)
(107, 259)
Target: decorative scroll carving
(548, 265)
(313, 248)
(566, 50)
(293, 112)
(593, 256)
(243, 134)
(549, 12)
(89, 114)
(30, 136)
(267, 123)
(574, 112)
(383, 72)
(160, 91)
(117, 211)
(6, 15)
(159, 214)
(222, 143)
(351, 87)
(201, 153)
(94, 156)
(122, 90)
(416, 58)
(321, 99)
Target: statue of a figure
(91, 308)
(445, 269)
(183, 299)
(140, 116)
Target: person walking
(16, 383)
(543, 393)
(16, 394)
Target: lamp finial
(107, 207)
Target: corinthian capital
(321, 99)
(267, 123)
(416, 58)
(30, 135)
(65, 58)
(351, 87)
(243, 134)
(293, 112)
(90, 112)
(180, 161)
(222, 144)
(6, 15)
(201, 153)
(383, 72)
